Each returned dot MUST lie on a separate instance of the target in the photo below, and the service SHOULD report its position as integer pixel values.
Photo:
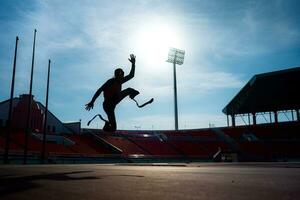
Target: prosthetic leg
(98, 115)
(144, 104)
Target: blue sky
(226, 43)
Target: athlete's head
(119, 74)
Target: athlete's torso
(113, 88)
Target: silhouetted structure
(19, 114)
(113, 94)
(267, 93)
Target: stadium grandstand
(266, 94)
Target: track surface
(193, 181)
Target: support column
(270, 113)
(276, 117)
(254, 118)
(233, 120)
(298, 115)
(292, 113)
(249, 119)
(227, 121)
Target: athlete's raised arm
(131, 73)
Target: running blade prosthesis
(146, 103)
(99, 117)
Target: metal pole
(227, 121)
(175, 95)
(276, 117)
(233, 120)
(46, 116)
(28, 121)
(292, 113)
(254, 118)
(249, 123)
(8, 125)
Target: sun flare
(153, 41)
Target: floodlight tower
(176, 56)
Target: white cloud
(190, 80)
(204, 81)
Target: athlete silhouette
(113, 94)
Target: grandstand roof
(273, 91)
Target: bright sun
(153, 41)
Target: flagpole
(28, 121)
(46, 116)
(8, 130)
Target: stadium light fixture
(176, 56)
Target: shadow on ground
(9, 184)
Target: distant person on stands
(113, 94)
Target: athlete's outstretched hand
(89, 106)
(132, 58)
